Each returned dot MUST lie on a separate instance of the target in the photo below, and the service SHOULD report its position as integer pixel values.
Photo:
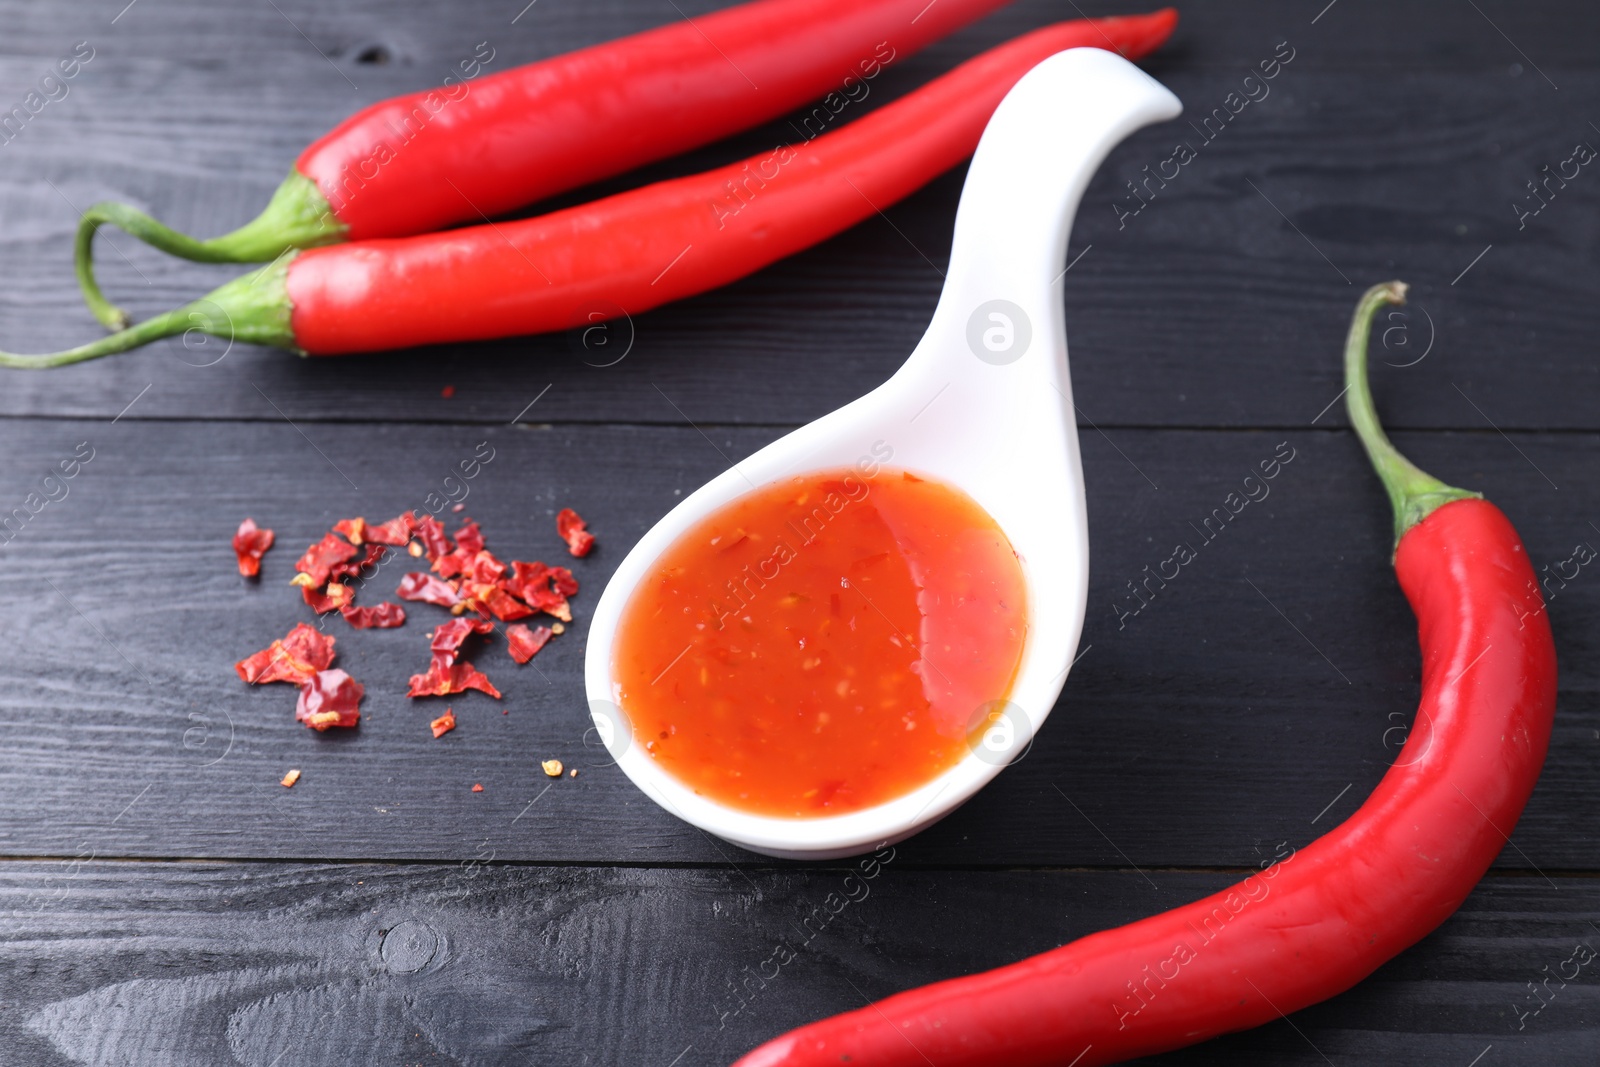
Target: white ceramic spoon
(984, 404)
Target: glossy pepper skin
(1318, 920)
(626, 253)
(485, 146)
(645, 247)
(482, 144)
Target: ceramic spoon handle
(1045, 141)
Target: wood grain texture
(1392, 152)
(323, 966)
(1189, 733)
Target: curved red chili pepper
(626, 253)
(645, 247)
(1319, 920)
(522, 135)
(490, 143)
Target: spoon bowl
(983, 404)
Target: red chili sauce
(823, 644)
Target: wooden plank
(1195, 732)
(209, 964)
(1218, 305)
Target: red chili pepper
(302, 653)
(397, 531)
(469, 538)
(571, 528)
(353, 530)
(626, 253)
(384, 616)
(315, 567)
(501, 604)
(528, 579)
(334, 597)
(544, 588)
(329, 698)
(1321, 919)
(448, 636)
(250, 543)
(485, 567)
(524, 643)
(480, 565)
(444, 675)
(428, 589)
(562, 581)
(444, 723)
(419, 162)
(442, 680)
(373, 553)
(430, 532)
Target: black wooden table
(164, 901)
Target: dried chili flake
(486, 568)
(511, 586)
(383, 617)
(563, 581)
(524, 643)
(443, 679)
(320, 559)
(526, 574)
(434, 542)
(500, 603)
(288, 780)
(448, 391)
(543, 588)
(428, 589)
(329, 698)
(574, 531)
(452, 564)
(552, 603)
(447, 637)
(352, 568)
(470, 538)
(354, 530)
(250, 544)
(477, 787)
(310, 645)
(301, 654)
(397, 531)
(335, 598)
(444, 723)
(445, 675)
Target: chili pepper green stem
(298, 216)
(1414, 493)
(253, 308)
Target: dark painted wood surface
(1174, 708)
(166, 902)
(326, 966)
